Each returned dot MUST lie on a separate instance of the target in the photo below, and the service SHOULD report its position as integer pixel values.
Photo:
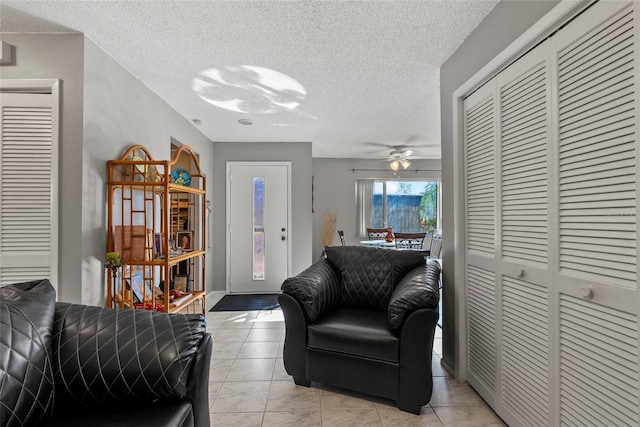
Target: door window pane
(258, 228)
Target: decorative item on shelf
(131, 240)
(143, 293)
(175, 252)
(181, 282)
(154, 174)
(175, 294)
(140, 170)
(113, 261)
(181, 176)
(157, 246)
(184, 239)
(114, 264)
(149, 305)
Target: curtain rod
(389, 170)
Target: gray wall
(120, 111)
(104, 110)
(299, 154)
(506, 22)
(334, 190)
(60, 57)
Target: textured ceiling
(352, 77)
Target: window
(258, 228)
(405, 206)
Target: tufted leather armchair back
(368, 275)
(126, 356)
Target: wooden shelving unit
(149, 216)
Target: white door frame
(228, 213)
(52, 87)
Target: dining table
(380, 243)
(392, 245)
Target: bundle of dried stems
(328, 231)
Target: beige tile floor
(248, 385)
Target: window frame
(368, 211)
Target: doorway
(258, 226)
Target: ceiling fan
(399, 156)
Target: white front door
(258, 224)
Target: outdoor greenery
(429, 207)
(404, 188)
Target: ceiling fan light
(394, 165)
(405, 163)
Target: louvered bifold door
(28, 207)
(596, 63)
(524, 132)
(480, 215)
(524, 94)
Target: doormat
(247, 302)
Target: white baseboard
(213, 298)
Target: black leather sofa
(364, 319)
(75, 365)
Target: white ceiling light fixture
(399, 156)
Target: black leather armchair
(76, 365)
(364, 319)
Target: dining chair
(380, 233)
(427, 240)
(436, 248)
(410, 240)
(341, 234)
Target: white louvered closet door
(596, 58)
(480, 214)
(551, 239)
(507, 146)
(524, 135)
(28, 188)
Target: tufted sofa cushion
(316, 288)
(26, 378)
(104, 356)
(418, 289)
(369, 274)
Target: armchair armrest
(417, 289)
(198, 382)
(316, 289)
(416, 347)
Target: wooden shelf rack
(149, 216)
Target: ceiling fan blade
(376, 144)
